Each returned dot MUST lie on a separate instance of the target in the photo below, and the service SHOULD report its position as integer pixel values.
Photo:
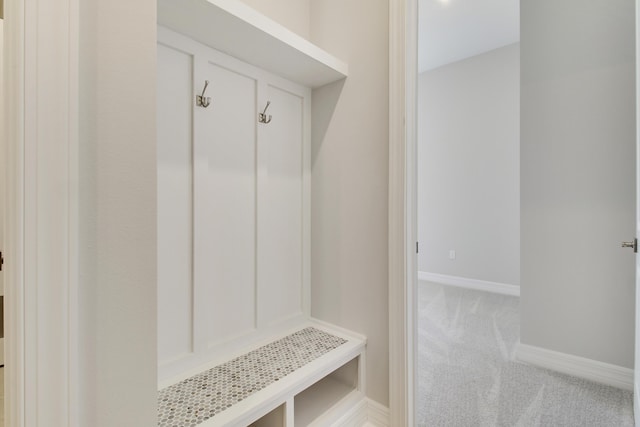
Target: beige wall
(578, 177)
(293, 14)
(469, 167)
(117, 230)
(350, 180)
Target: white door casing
(40, 151)
(403, 66)
(636, 373)
(2, 168)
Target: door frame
(636, 374)
(403, 60)
(41, 227)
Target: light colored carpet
(467, 375)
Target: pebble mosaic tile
(196, 399)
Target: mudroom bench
(311, 376)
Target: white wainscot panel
(175, 201)
(281, 236)
(229, 285)
(233, 206)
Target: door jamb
(403, 43)
(636, 375)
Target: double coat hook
(201, 100)
(262, 117)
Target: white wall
(349, 221)
(578, 175)
(469, 167)
(293, 14)
(117, 214)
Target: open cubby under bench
(312, 376)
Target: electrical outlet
(452, 254)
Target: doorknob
(633, 245)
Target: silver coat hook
(201, 100)
(262, 117)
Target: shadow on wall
(323, 104)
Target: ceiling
(451, 30)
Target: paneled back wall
(233, 205)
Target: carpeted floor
(467, 375)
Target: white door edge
(402, 210)
(636, 393)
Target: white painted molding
(464, 282)
(636, 404)
(365, 412)
(402, 209)
(354, 416)
(636, 388)
(593, 370)
(377, 414)
(13, 147)
(41, 147)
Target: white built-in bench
(311, 376)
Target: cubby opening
(311, 404)
(275, 418)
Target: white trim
(355, 416)
(365, 412)
(593, 370)
(351, 411)
(42, 204)
(464, 282)
(377, 414)
(402, 209)
(636, 389)
(13, 146)
(636, 405)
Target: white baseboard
(593, 370)
(377, 414)
(356, 416)
(636, 406)
(463, 282)
(365, 413)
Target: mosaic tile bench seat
(205, 395)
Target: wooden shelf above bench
(232, 27)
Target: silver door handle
(633, 245)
